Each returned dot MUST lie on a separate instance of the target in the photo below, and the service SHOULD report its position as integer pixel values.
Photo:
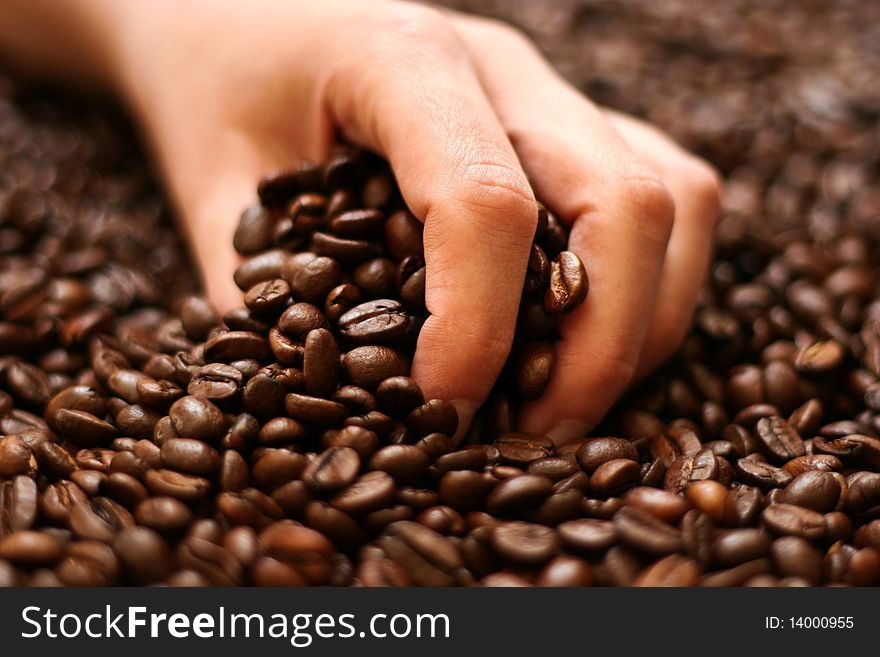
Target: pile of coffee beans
(146, 440)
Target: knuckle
(497, 187)
(706, 185)
(642, 189)
(416, 29)
(503, 32)
(492, 345)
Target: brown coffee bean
(320, 362)
(524, 543)
(368, 366)
(790, 520)
(332, 470)
(568, 284)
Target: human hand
(472, 119)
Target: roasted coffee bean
(645, 533)
(816, 490)
(434, 416)
(398, 395)
(16, 457)
(268, 298)
(314, 410)
(674, 570)
(144, 555)
(215, 382)
(190, 456)
(276, 467)
(615, 476)
(374, 322)
(736, 546)
(227, 346)
(405, 463)
(760, 474)
(311, 276)
(196, 417)
(333, 469)
(596, 451)
(568, 284)
(518, 493)
(521, 449)
(89, 563)
(661, 504)
(403, 235)
(795, 557)
(262, 267)
(533, 368)
(790, 520)
(164, 514)
(99, 519)
(187, 488)
(369, 366)
(862, 492)
(685, 470)
(779, 440)
(31, 548)
(525, 543)
(465, 490)
(372, 491)
(320, 362)
(19, 504)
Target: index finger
(417, 101)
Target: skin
(474, 122)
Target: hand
(469, 114)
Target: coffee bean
(644, 532)
(673, 570)
(144, 555)
(15, 457)
(568, 284)
(164, 514)
(196, 417)
(533, 368)
(780, 441)
(184, 487)
(314, 410)
(518, 493)
(311, 276)
(372, 491)
(790, 520)
(398, 395)
(99, 519)
(30, 548)
(268, 298)
(795, 557)
(228, 346)
(596, 451)
(369, 366)
(661, 504)
(736, 546)
(816, 490)
(405, 463)
(524, 543)
(190, 456)
(333, 469)
(320, 362)
(615, 476)
(215, 382)
(403, 235)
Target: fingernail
(568, 430)
(466, 410)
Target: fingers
(695, 188)
(413, 96)
(621, 216)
